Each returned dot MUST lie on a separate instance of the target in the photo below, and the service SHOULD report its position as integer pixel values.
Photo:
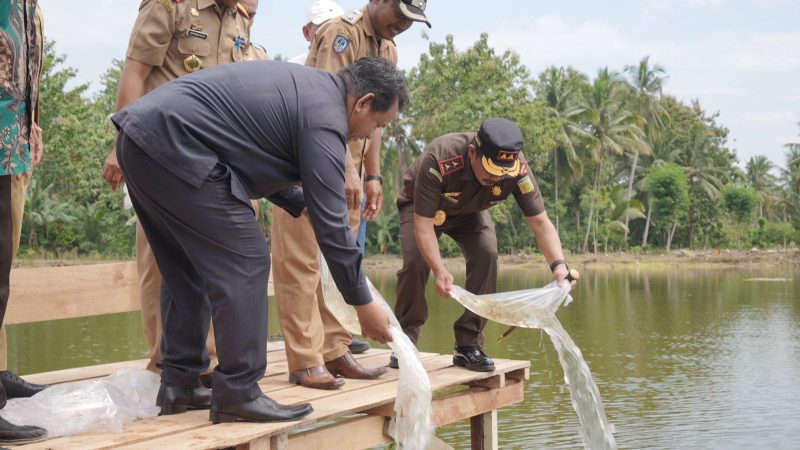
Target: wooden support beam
(262, 443)
(475, 401)
(438, 444)
(363, 432)
(483, 429)
(279, 442)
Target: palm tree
(758, 175)
(557, 87)
(701, 168)
(612, 129)
(647, 83)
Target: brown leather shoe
(348, 367)
(316, 377)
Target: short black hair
(377, 76)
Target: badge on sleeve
(439, 218)
(340, 43)
(496, 191)
(526, 185)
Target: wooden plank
(483, 429)
(51, 293)
(362, 432)
(355, 395)
(275, 354)
(84, 373)
(475, 401)
(54, 293)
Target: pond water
(705, 359)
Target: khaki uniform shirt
(442, 179)
(167, 33)
(344, 40)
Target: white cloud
(659, 6)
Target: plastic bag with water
(412, 426)
(536, 308)
(88, 406)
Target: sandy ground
(784, 259)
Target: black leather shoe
(16, 387)
(473, 358)
(393, 363)
(20, 434)
(262, 409)
(358, 346)
(175, 400)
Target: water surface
(701, 359)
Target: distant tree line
(621, 166)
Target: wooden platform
(352, 417)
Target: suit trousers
(150, 300)
(6, 255)
(19, 188)
(215, 263)
(476, 237)
(312, 333)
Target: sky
(740, 58)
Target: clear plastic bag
(412, 426)
(531, 308)
(105, 404)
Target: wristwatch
(378, 178)
(557, 263)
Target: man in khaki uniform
(316, 343)
(172, 38)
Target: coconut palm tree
(611, 129)
(758, 175)
(647, 83)
(558, 88)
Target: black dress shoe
(262, 409)
(358, 346)
(16, 387)
(473, 358)
(20, 434)
(174, 400)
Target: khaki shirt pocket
(190, 45)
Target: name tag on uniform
(197, 34)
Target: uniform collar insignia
(451, 165)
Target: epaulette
(242, 11)
(353, 17)
(451, 165)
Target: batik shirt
(20, 63)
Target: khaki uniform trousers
(312, 333)
(476, 236)
(150, 298)
(19, 188)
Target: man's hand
(374, 322)
(37, 144)
(561, 273)
(444, 283)
(112, 172)
(372, 207)
(352, 184)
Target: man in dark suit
(194, 152)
